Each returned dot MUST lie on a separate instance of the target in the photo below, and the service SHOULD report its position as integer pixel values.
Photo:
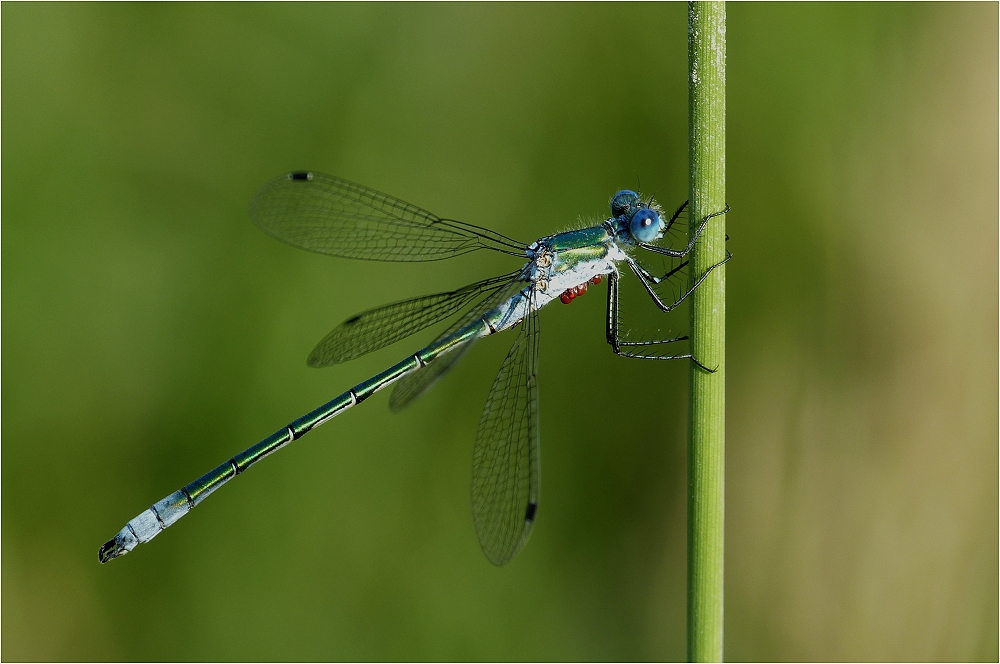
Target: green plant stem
(706, 452)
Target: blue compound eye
(623, 202)
(645, 225)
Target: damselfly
(333, 216)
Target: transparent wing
(382, 326)
(505, 477)
(329, 215)
(417, 382)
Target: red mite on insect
(569, 295)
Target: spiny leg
(645, 278)
(618, 345)
(657, 280)
(680, 253)
(674, 216)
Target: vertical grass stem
(706, 453)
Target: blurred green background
(151, 331)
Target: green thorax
(574, 247)
(583, 238)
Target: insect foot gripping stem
(146, 526)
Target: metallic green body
(333, 216)
(558, 260)
(584, 238)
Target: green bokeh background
(150, 331)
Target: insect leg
(645, 278)
(619, 346)
(680, 253)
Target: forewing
(329, 215)
(505, 474)
(382, 326)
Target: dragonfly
(329, 215)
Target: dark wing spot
(529, 514)
(352, 320)
(300, 176)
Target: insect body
(337, 217)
